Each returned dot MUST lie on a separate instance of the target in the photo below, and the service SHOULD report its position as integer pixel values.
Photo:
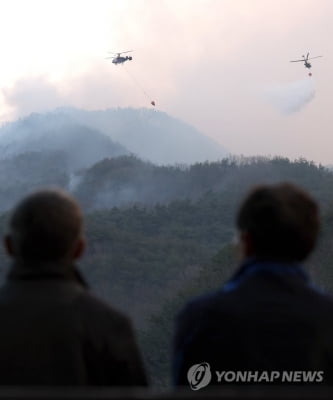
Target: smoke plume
(291, 97)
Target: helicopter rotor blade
(298, 60)
(119, 52)
(314, 57)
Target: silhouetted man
(268, 317)
(53, 330)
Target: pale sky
(219, 65)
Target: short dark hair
(45, 225)
(282, 221)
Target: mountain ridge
(151, 135)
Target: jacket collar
(254, 266)
(65, 271)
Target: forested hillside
(162, 254)
(158, 235)
(125, 181)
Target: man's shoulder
(231, 300)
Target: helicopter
(119, 59)
(306, 61)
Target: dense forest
(157, 235)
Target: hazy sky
(220, 65)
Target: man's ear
(8, 245)
(247, 247)
(79, 248)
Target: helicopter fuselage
(120, 60)
(307, 64)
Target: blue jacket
(268, 317)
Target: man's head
(46, 226)
(279, 223)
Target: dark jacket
(54, 331)
(267, 317)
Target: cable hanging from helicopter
(117, 58)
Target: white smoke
(35, 94)
(291, 97)
(74, 181)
